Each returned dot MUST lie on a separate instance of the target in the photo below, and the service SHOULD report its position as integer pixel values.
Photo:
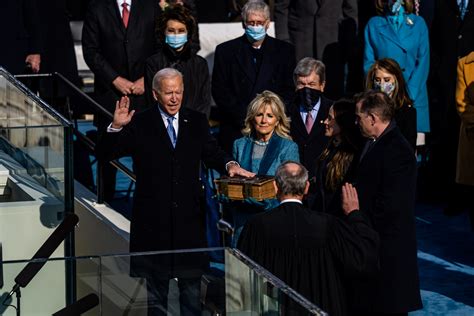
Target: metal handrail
(96, 107)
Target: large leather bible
(239, 188)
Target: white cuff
(110, 129)
(232, 162)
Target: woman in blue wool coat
(266, 144)
(399, 34)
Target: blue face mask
(255, 33)
(176, 41)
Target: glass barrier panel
(44, 292)
(33, 135)
(193, 283)
(188, 282)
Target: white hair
(162, 74)
(255, 6)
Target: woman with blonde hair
(265, 145)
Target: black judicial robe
(312, 252)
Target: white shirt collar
(291, 200)
(119, 3)
(165, 115)
(129, 2)
(316, 106)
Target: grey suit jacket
(312, 25)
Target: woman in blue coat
(399, 34)
(266, 144)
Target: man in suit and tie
(118, 36)
(386, 184)
(308, 111)
(246, 66)
(167, 144)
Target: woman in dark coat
(336, 165)
(175, 29)
(385, 75)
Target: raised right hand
(122, 116)
(350, 200)
(123, 85)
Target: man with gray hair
(308, 111)
(312, 252)
(167, 144)
(249, 65)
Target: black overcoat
(20, 30)
(386, 185)
(166, 213)
(111, 50)
(310, 145)
(235, 82)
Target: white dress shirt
(164, 117)
(313, 112)
(129, 6)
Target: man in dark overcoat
(246, 66)
(167, 144)
(386, 184)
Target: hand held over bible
(236, 170)
(122, 115)
(350, 200)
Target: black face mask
(308, 97)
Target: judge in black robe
(311, 251)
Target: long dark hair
(349, 144)
(400, 94)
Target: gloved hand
(221, 198)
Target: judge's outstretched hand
(350, 200)
(122, 115)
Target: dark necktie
(171, 131)
(125, 14)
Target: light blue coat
(409, 46)
(278, 150)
